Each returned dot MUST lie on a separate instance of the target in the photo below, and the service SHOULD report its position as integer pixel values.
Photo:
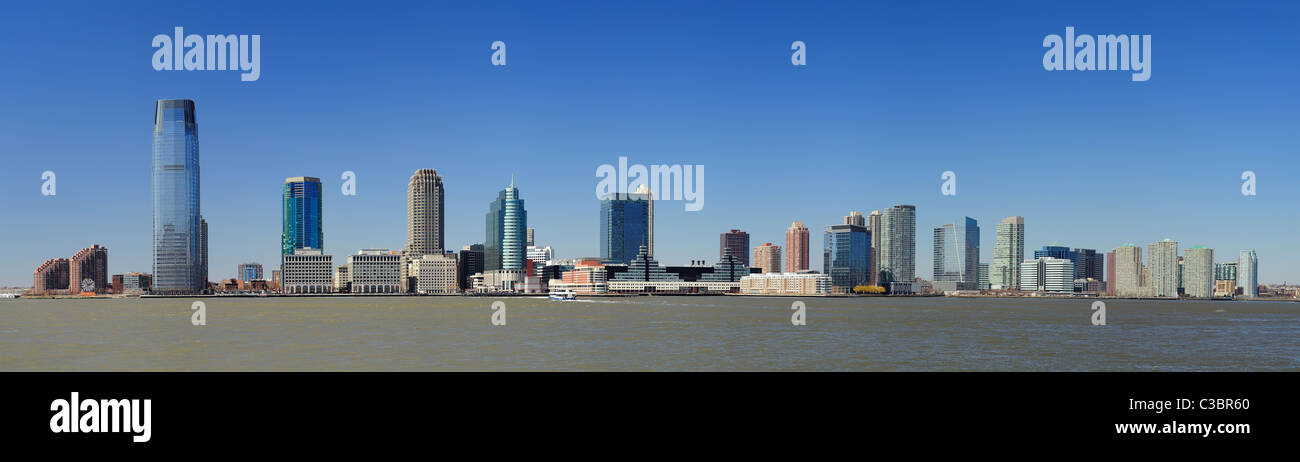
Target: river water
(646, 333)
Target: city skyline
(742, 103)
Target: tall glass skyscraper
(846, 256)
(178, 265)
(1248, 273)
(302, 215)
(1008, 253)
(956, 255)
(897, 260)
(624, 227)
(507, 224)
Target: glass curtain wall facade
(178, 266)
(302, 215)
(624, 227)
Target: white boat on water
(9, 296)
(563, 295)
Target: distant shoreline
(542, 295)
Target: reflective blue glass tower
(178, 266)
(302, 215)
(506, 225)
(624, 227)
(846, 256)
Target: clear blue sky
(893, 94)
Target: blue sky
(894, 94)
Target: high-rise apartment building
(1128, 280)
(178, 265)
(898, 246)
(1008, 253)
(796, 247)
(874, 226)
(768, 257)
(1164, 268)
(1198, 272)
(51, 277)
(88, 270)
(1248, 273)
(855, 218)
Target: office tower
(855, 218)
(89, 264)
(1008, 253)
(624, 226)
(375, 271)
(1055, 251)
(729, 268)
(983, 283)
(1198, 272)
(302, 225)
(768, 257)
(307, 271)
(53, 276)
(796, 247)
(645, 268)
(507, 221)
(539, 255)
(470, 263)
(1047, 274)
(846, 256)
(735, 242)
(177, 251)
(898, 245)
(1110, 273)
(529, 242)
(1164, 268)
(250, 272)
(424, 214)
(436, 274)
(1248, 273)
(1088, 264)
(956, 255)
(1128, 271)
(873, 225)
